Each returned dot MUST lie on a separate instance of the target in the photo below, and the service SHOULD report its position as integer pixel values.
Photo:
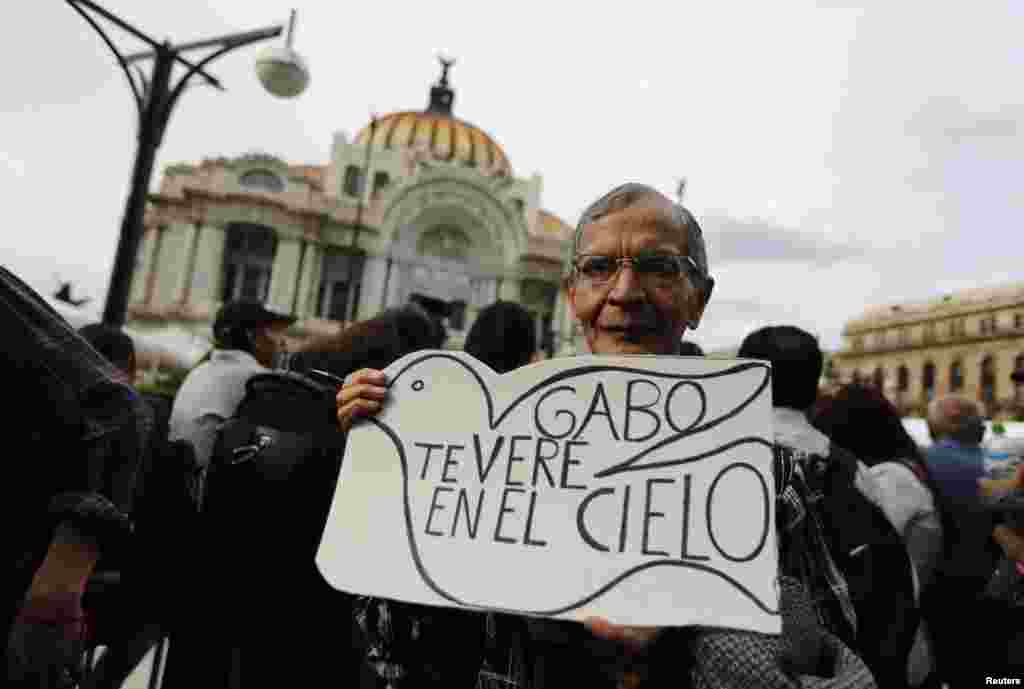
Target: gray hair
(957, 418)
(627, 195)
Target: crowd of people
(899, 567)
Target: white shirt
(210, 394)
(794, 430)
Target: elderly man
(639, 279)
(956, 460)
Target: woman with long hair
(860, 419)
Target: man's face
(268, 341)
(630, 314)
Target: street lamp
(155, 97)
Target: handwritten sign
(638, 489)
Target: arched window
(353, 184)
(445, 241)
(928, 381)
(879, 379)
(1018, 388)
(248, 262)
(903, 378)
(336, 297)
(956, 376)
(540, 297)
(381, 181)
(262, 180)
(988, 380)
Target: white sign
(638, 489)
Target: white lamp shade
(281, 71)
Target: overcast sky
(838, 154)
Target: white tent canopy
(181, 347)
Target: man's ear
(569, 290)
(702, 303)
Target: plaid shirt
(803, 549)
(87, 431)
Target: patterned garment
(414, 646)
(803, 549)
(805, 655)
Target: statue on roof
(446, 64)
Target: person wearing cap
(247, 336)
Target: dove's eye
(418, 385)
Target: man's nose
(626, 285)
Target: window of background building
(903, 378)
(988, 381)
(381, 180)
(858, 343)
(353, 180)
(262, 180)
(248, 262)
(928, 381)
(880, 339)
(445, 241)
(335, 297)
(1018, 320)
(988, 325)
(539, 297)
(1018, 388)
(956, 376)
(878, 379)
(904, 336)
(929, 332)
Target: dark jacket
(77, 437)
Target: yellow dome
(438, 132)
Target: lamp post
(155, 97)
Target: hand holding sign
(362, 396)
(637, 489)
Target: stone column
(308, 281)
(284, 274)
(509, 289)
(208, 270)
(372, 291)
(144, 265)
(172, 264)
(563, 322)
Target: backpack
(874, 560)
(266, 499)
(272, 474)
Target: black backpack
(273, 470)
(871, 554)
(266, 498)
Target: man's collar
(233, 356)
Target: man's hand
(634, 642)
(363, 395)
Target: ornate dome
(439, 133)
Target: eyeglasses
(662, 270)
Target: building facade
(418, 203)
(966, 343)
